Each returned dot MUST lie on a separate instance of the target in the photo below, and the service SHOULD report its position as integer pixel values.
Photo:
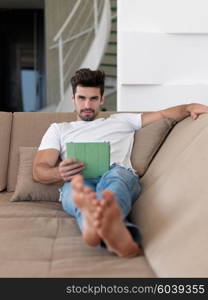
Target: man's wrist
(58, 175)
(163, 114)
(177, 113)
(188, 109)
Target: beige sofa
(38, 239)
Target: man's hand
(70, 167)
(195, 110)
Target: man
(102, 205)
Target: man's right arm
(47, 168)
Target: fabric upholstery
(26, 188)
(39, 240)
(147, 142)
(172, 209)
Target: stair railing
(90, 24)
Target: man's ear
(102, 100)
(72, 98)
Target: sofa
(38, 239)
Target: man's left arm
(177, 113)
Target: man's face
(87, 102)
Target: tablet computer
(96, 157)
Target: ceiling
(22, 4)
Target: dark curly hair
(88, 78)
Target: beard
(88, 114)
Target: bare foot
(85, 200)
(111, 229)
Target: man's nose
(87, 103)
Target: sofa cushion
(25, 209)
(5, 131)
(147, 141)
(38, 239)
(172, 209)
(26, 188)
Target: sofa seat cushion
(172, 210)
(39, 240)
(28, 209)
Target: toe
(108, 197)
(87, 190)
(97, 223)
(77, 180)
(98, 213)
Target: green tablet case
(96, 157)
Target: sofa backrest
(5, 131)
(27, 130)
(29, 127)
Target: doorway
(22, 60)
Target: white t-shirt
(118, 129)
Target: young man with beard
(101, 206)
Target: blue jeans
(124, 184)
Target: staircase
(109, 63)
(81, 42)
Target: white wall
(162, 53)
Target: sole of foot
(111, 229)
(85, 200)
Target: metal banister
(59, 33)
